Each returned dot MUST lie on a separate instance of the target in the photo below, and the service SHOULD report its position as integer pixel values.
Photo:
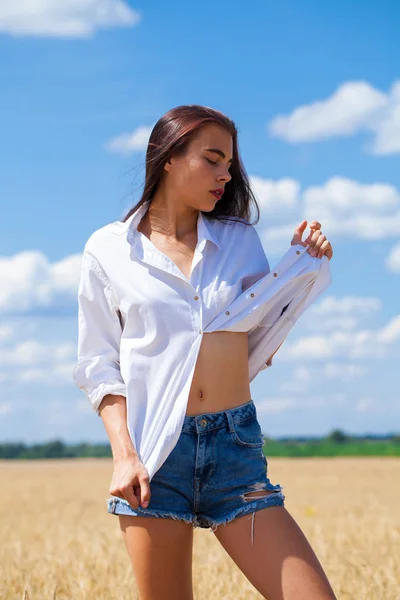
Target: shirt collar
(205, 231)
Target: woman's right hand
(130, 481)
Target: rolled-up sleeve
(97, 371)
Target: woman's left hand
(318, 244)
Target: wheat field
(59, 541)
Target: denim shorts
(216, 462)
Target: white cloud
(282, 404)
(274, 405)
(345, 345)
(64, 18)
(5, 408)
(31, 354)
(390, 333)
(343, 113)
(303, 378)
(32, 361)
(387, 127)
(343, 371)
(344, 207)
(393, 260)
(370, 405)
(61, 373)
(331, 306)
(275, 195)
(366, 211)
(125, 143)
(276, 238)
(353, 107)
(30, 282)
(338, 352)
(5, 332)
(26, 359)
(278, 200)
(346, 313)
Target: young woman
(174, 399)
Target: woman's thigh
(280, 562)
(161, 551)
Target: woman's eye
(210, 161)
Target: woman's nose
(226, 176)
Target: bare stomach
(221, 376)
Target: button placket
(196, 312)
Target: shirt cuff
(95, 398)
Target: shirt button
(252, 295)
(297, 251)
(227, 312)
(275, 274)
(196, 297)
(200, 331)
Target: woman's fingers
(145, 491)
(323, 248)
(131, 497)
(315, 243)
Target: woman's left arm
(318, 247)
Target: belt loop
(230, 421)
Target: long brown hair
(171, 135)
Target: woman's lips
(216, 195)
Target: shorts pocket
(248, 433)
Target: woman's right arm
(130, 479)
(113, 413)
(97, 373)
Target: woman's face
(192, 176)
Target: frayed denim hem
(118, 506)
(262, 501)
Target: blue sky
(315, 93)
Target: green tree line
(337, 443)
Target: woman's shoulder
(240, 227)
(103, 238)
(232, 224)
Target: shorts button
(196, 297)
(297, 251)
(203, 422)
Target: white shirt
(141, 321)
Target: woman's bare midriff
(221, 376)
